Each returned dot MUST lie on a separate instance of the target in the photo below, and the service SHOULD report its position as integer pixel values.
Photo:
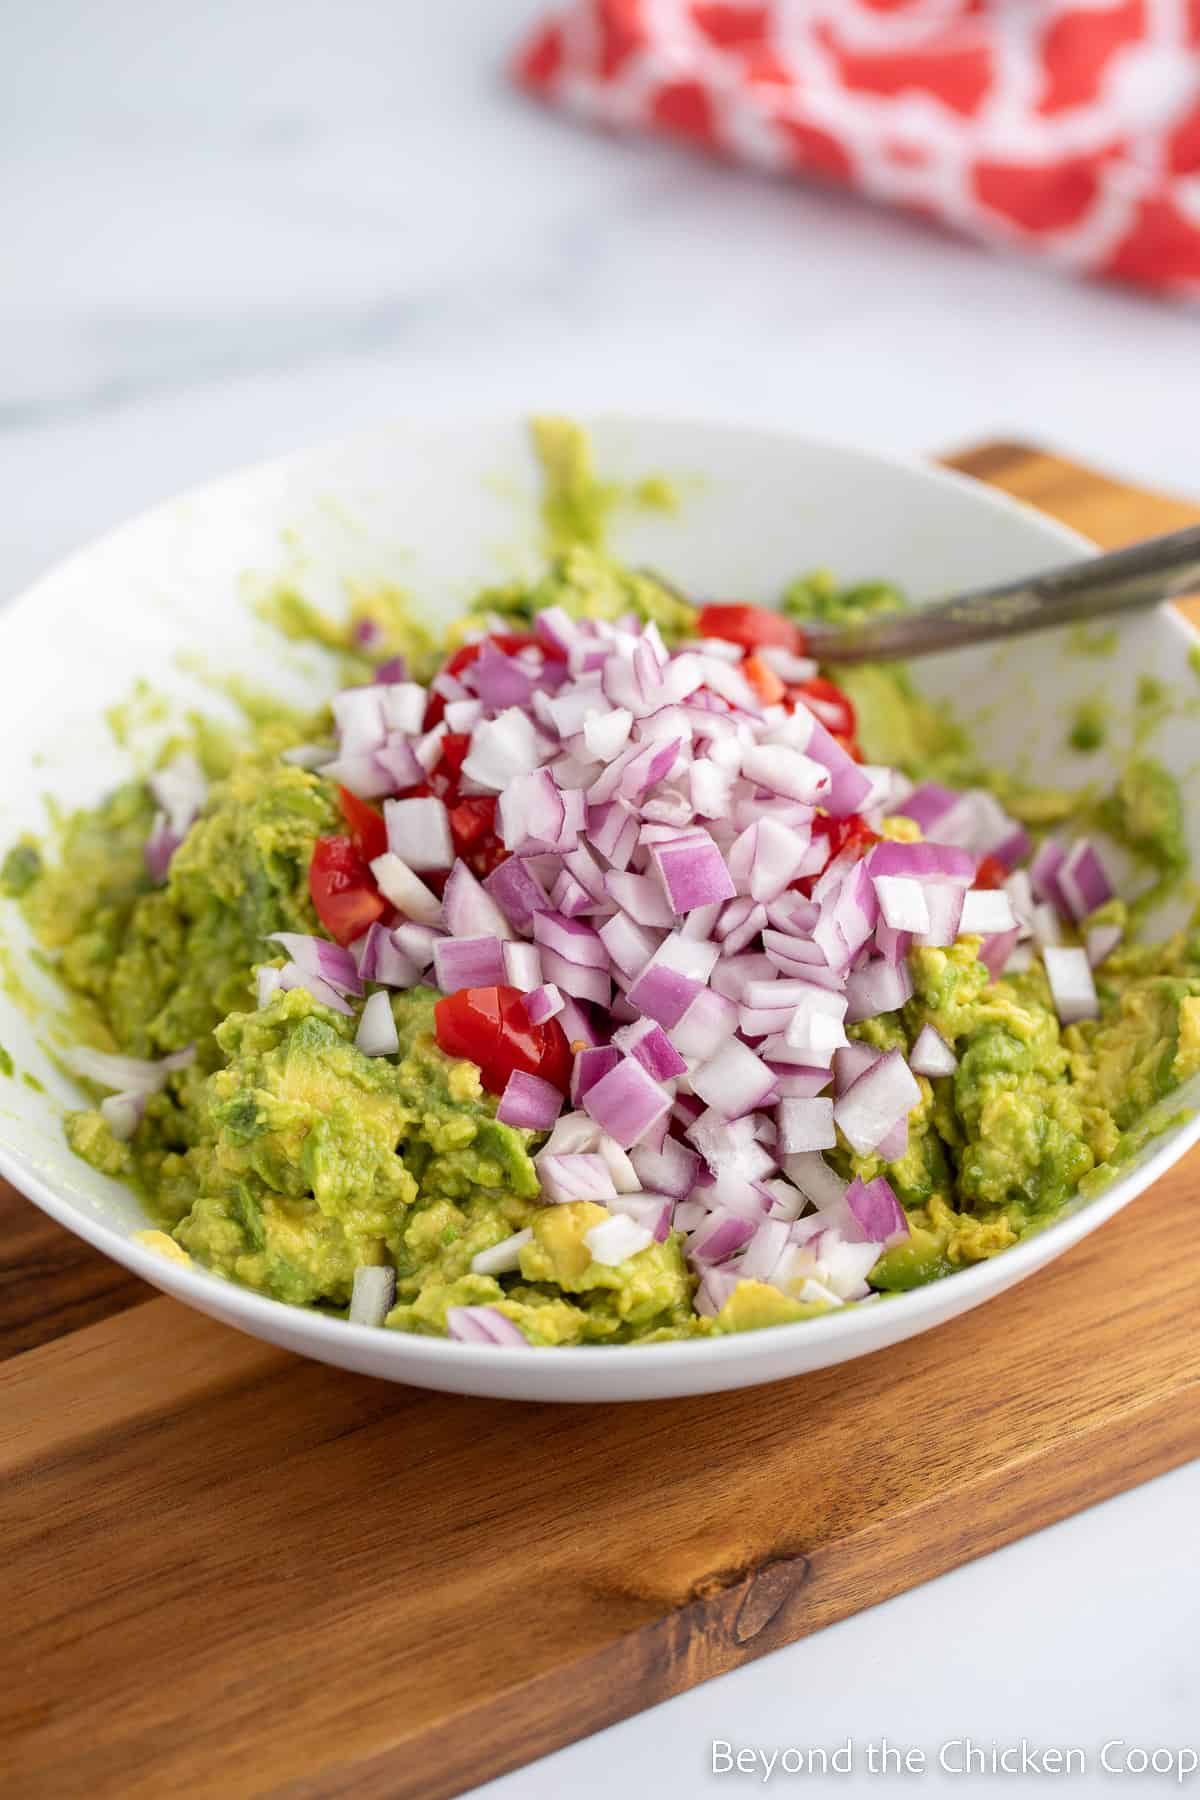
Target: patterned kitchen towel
(1071, 131)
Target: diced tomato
(474, 835)
(763, 680)
(752, 627)
(343, 889)
(368, 833)
(991, 873)
(456, 746)
(490, 1027)
(824, 698)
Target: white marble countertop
(234, 228)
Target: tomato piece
(368, 833)
(991, 873)
(456, 747)
(343, 889)
(490, 1027)
(824, 698)
(763, 680)
(752, 627)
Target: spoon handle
(1129, 580)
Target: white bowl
(441, 511)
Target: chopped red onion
(123, 1113)
(418, 831)
(652, 1047)
(735, 1081)
(618, 1238)
(673, 977)
(317, 956)
(542, 1003)
(995, 951)
(522, 967)
(1071, 983)
(159, 848)
(589, 1065)
(877, 1101)
(483, 1325)
(266, 985)
(922, 862)
(717, 1287)
(571, 938)
(693, 872)
(529, 1102)
(373, 1294)
(376, 1034)
(583, 1175)
(292, 976)
(415, 942)
(516, 890)
(468, 962)
(669, 1170)
(641, 898)
(406, 891)
(627, 1102)
(1102, 940)
(931, 1054)
(706, 1024)
(719, 1237)
(986, 911)
(1083, 880)
(851, 1062)
(805, 1125)
(1044, 872)
(816, 1180)
(576, 979)
(945, 902)
(877, 986)
(503, 1258)
(902, 902)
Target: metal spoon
(1130, 580)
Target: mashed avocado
(285, 1158)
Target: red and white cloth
(1071, 131)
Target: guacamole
(565, 1037)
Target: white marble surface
(242, 225)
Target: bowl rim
(922, 1306)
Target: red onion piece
(123, 1113)
(877, 1101)
(735, 1081)
(317, 956)
(418, 832)
(627, 1102)
(693, 872)
(931, 1055)
(529, 1102)
(376, 1034)
(543, 1003)
(406, 891)
(805, 1125)
(1071, 983)
(878, 1213)
(522, 967)
(877, 987)
(483, 1325)
(1083, 880)
(516, 890)
(581, 1176)
(468, 962)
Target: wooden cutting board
(230, 1572)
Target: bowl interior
(440, 511)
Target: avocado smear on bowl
(610, 974)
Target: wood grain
(230, 1572)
